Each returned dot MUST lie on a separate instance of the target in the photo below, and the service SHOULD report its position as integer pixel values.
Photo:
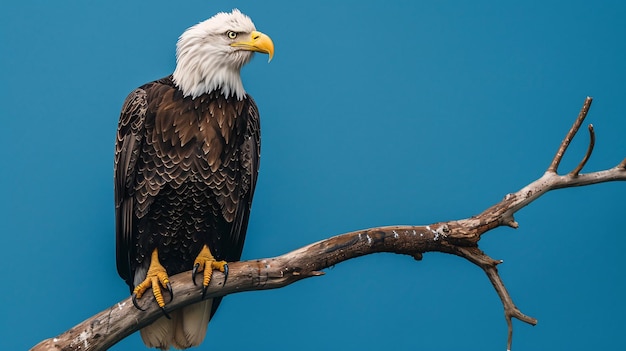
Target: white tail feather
(191, 326)
(159, 333)
(186, 329)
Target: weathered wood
(454, 237)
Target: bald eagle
(186, 164)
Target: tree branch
(592, 143)
(570, 135)
(459, 238)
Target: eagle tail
(186, 329)
(159, 333)
(190, 327)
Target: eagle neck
(206, 77)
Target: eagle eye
(231, 34)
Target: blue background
(373, 113)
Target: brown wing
(245, 178)
(128, 145)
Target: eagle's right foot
(155, 278)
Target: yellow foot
(207, 263)
(155, 278)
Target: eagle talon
(170, 290)
(204, 290)
(225, 273)
(135, 303)
(165, 313)
(194, 271)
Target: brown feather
(185, 171)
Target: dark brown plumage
(185, 172)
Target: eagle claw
(194, 272)
(135, 303)
(225, 273)
(170, 290)
(165, 313)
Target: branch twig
(570, 135)
(489, 265)
(454, 237)
(583, 162)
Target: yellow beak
(258, 42)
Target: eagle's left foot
(207, 263)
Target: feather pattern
(185, 171)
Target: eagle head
(209, 55)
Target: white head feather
(205, 61)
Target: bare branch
(583, 162)
(489, 265)
(458, 237)
(570, 135)
(122, 319)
